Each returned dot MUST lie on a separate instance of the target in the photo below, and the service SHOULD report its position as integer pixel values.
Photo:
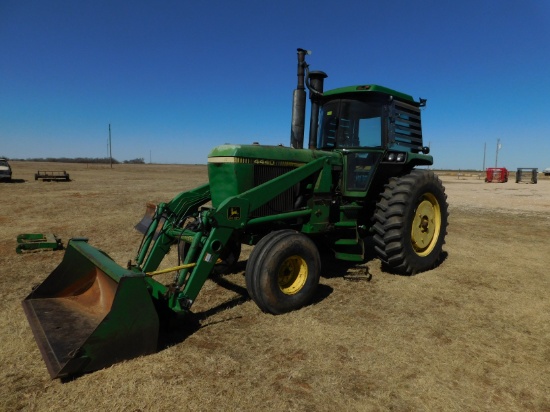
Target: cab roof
(370, 88)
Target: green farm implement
(358, 184)
(34, 241)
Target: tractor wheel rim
(426, 225)
(292, 275)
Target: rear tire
(283, 271)
(411, 221)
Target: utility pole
(498, 148)
(110, 148)
(484, 151)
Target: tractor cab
(372, 126)
(358, 129)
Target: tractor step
(349, 246)
(346, 242)
(350, 257)
(346, 223)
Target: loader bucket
(91, 313)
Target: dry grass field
(471, 335)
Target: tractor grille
(283, 202)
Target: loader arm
(234, 214)
(164, 227)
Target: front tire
(411, 221)
(283, 271)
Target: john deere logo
(234, 213)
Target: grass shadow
(442, 258)
(175, 329)
(14, 181)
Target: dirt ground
(471, 335)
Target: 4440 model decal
(245, 160)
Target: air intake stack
(315, 85)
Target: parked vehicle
(5, 170)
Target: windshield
(350, 123)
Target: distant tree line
(93, 160)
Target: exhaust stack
(299, 105)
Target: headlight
(398, 157)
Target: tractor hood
(265, 155)
(234, 169)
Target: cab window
(349, 124)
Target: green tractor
(355, 187)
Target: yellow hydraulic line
(173, 269)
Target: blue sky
(176, 78)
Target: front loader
(356, 185)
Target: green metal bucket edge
(130, 328)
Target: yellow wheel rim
(292, 275)
(426, 225)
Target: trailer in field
(48, 175)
